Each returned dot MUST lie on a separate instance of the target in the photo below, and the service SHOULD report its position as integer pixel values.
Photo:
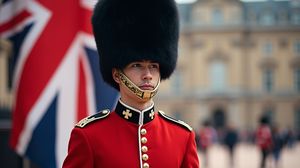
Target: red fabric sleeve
(191, 156)
(79, 151)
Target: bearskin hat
(133, 30)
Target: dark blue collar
(133, 115)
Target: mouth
(146, 87)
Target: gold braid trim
(143, 94)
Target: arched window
(217, 16)
(218, 75)
(219, 118)
(297, 118)
(268, 49)
(297, 79)
(177, 82)
(268, 80)
(297, 47)
(295, 18)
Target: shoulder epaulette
(102, 114)
(181, 123)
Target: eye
(154, 66)
(136, 65)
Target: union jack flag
(56, 77)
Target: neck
(141, 105)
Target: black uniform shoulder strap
(179, 122)
(100, 115)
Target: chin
(143, 100)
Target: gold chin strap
(142, 94)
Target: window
(252, 17)
(268, 49)
(297, 47)
(219, 118)
(217, 16)
(218, 76)
(297, 118)
(282, 16)
(268, 80)
(297, 79)
(267, 18)
(296, 18)
(177, 82)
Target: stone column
(5, 92)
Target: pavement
(248, 156)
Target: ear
(115, 74)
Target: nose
(147, 75)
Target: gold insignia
(175, 120)
(151, 115)
(102, 114)
(127, 114)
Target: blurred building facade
(237, 62)
(8, 158)
(5, 83)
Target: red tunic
(131, 139)
(264, 137)
(206, 137)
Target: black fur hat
(135, 30)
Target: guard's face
(144, 74)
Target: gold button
(145, 157)
(144, 149)
(146, 165)
(144, 140)
(143, 131)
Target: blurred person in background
(207, 135)
(263, 138)
(230, 141)
(289, 137)
(278, 144)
